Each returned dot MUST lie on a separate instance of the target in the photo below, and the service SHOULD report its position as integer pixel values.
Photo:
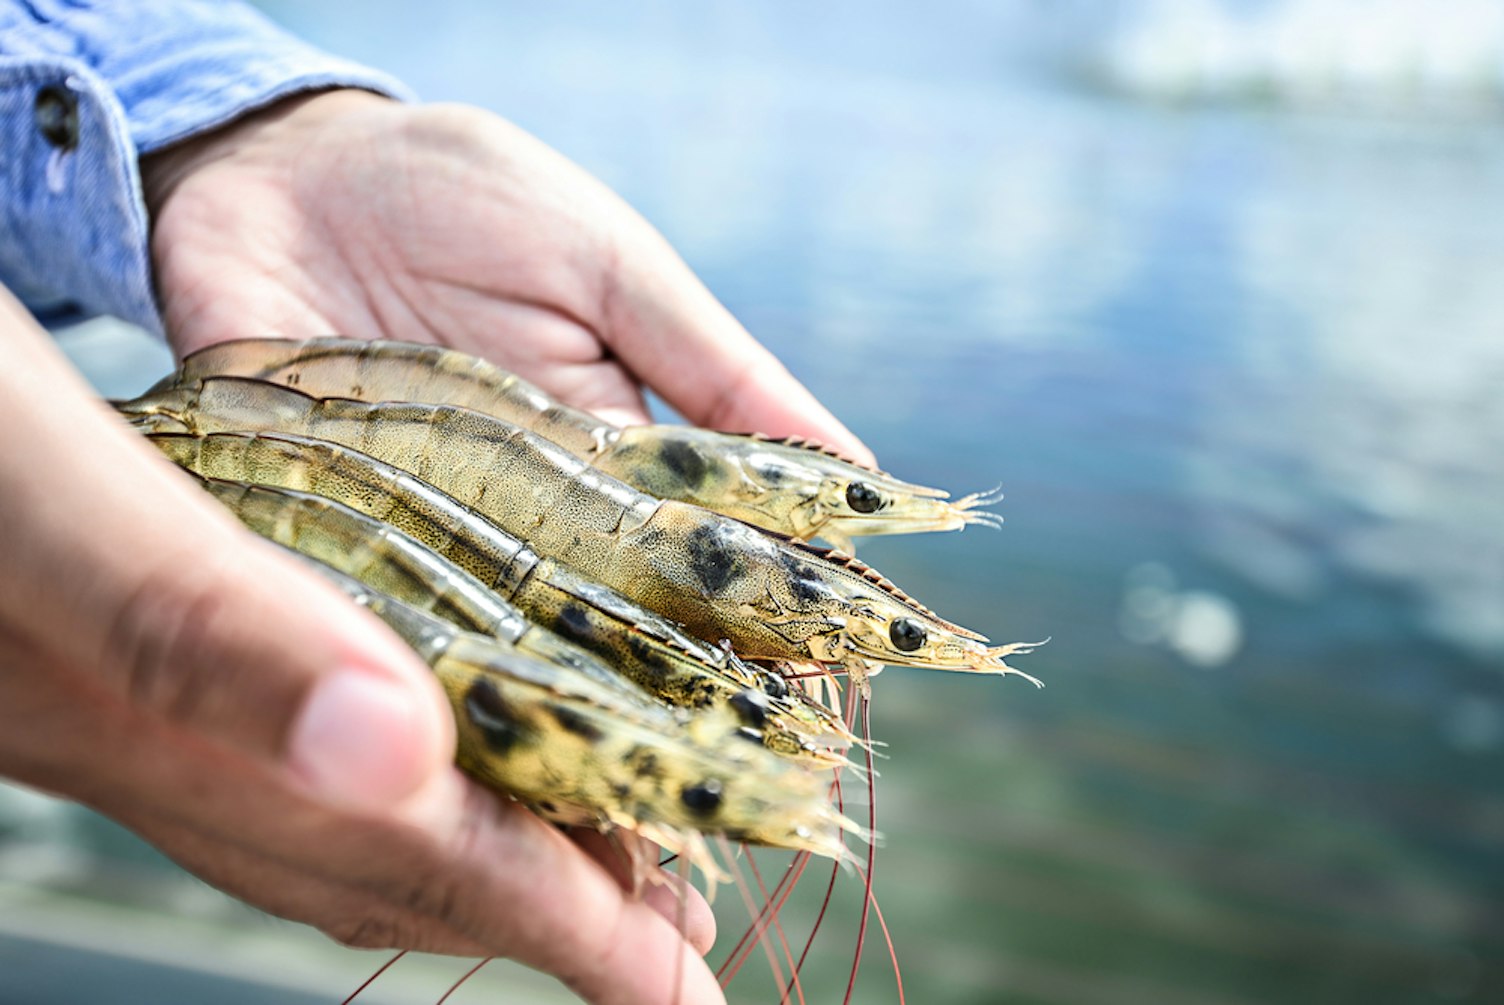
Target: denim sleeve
(86, 89)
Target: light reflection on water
(1240, 375)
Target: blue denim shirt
(85, 90)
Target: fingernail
(362, 741)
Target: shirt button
(56, 115)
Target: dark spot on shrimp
(573, 621)
(685, 462)
(651, 537)
(752, 706)
(548, 807)
(647, 765)
(489, 713)
(575, 723)
(712, 558)
(647, 654)
(703, 799)
(621, 790)
(772, 475)
(803, 581)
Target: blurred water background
(1216, 292)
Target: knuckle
(444, 887)
(370, 931)
(162, 640)
(435, 893)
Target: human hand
(345, 213)
(178, 674)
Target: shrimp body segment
(549, 736)
(790, 486)
(770, 597)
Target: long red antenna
(861, 932)
(372, 979)
(892, 952)
(781, 893)
(835, 870)
(762, 936)
(783, 941)
(465, 977)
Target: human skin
(162, 665)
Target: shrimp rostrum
(791, 486)
(770, 597)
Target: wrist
(276, 127)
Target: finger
(581, 925)
(461, 871)
(668, 328)
(633, 862)
(349, 914)
(231, 823)
(116, 563)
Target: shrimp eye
(752, 706)
(775, 685)
(907, 635)
(863, 497)
(704, 798)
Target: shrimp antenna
(463, 978)
(861, 932)
(781, 893)
(888, 938)
(835, 870)
(372, 979)
(761, 929)
(777, 928)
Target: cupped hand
(162, 665)
(346, 213)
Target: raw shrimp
(645, 647)
(770, 597)
(792, 486)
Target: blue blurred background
(1216, 292)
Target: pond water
(1238, 368)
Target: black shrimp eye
(775, 685)
(906, 635)
(752, 706)
(863, 497)
(704, 798)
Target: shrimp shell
(549, 736)
(650, 650)
(389, 562)
(721, 578)
(790, 485)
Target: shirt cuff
(129, 79)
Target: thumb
(120, 569)
(248, 649)
(671, 331)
